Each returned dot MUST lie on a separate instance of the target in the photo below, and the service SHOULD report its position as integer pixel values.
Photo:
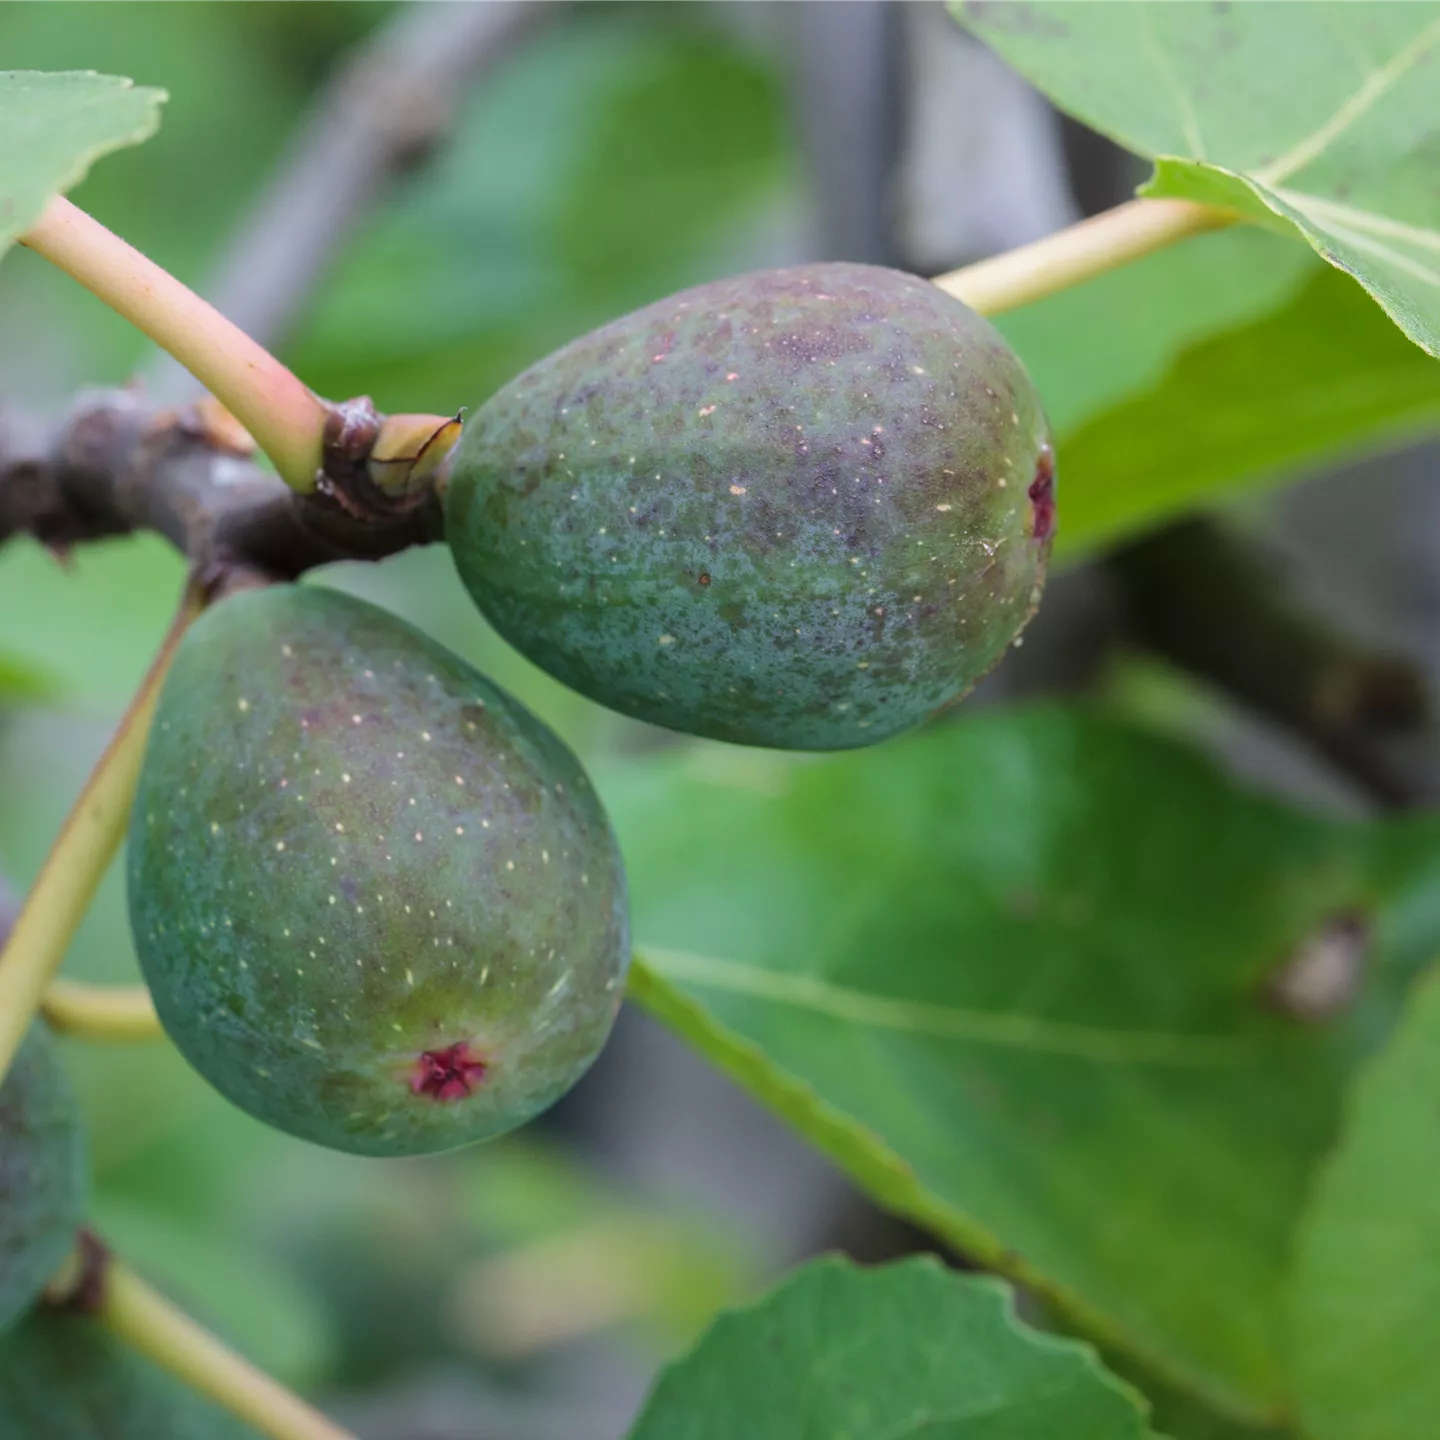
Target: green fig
(803, 508)
(63, 1378)
(43, 1173)
(377, 901)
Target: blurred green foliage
(616, 158)
(1010, 975)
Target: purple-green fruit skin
(43, 1173)
(791, 509)
(64, 1378)
(353, 860)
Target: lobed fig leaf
(802, 508)
(43, 1174)
(377, 901)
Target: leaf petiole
(283, 416)
(1079, 253)
(101, 1012)
(82, 852)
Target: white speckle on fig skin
(485, 775)
(882, 377)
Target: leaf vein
(1368, 221)
(1391, 256)
(1376, 86)
(1189, 122)
(1006, 1030)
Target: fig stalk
(101, 1012)
(283, 416)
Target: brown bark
(115, 464)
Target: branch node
(115, 463)
(379, 468)
(79, 1285)
(208, 421)
(219, 578)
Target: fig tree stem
(81, 854)
(1079, 252)
(101, 1012)
(283, 416)
(143, 1318)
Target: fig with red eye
(376, 900)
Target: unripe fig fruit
(803, 508)
(376, 900)
(43, 1174)
(63, 1378)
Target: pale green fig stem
(82, 852)
(101, 1012)
(1079, 253)
(146, 1321)
(283, 416)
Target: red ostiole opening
(449, 1074)
(1042, 496)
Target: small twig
(101, 1012)
(286, 419)
(94, 1283)
(1080, 252)
(115, 464)
(61, 894)
(383, 112)
(78, 1285)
